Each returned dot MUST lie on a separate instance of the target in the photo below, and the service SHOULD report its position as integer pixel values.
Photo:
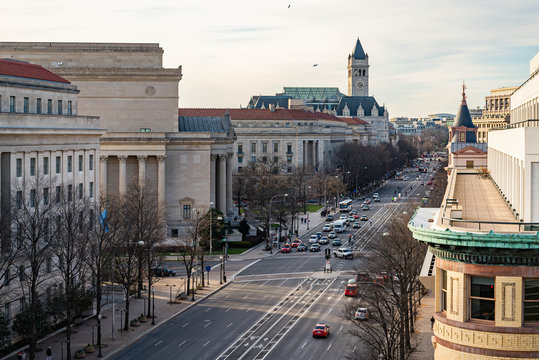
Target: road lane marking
(229, 325)
(246, 296)
(183, 342)
(227, 309)
(184, 325)
(328, 347)
(247, 283)
(208, 309)
(341, 328)
(248, 309)
(305, 343)
(208, 324)
(206, 343)
(159, 342)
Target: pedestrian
(432, 322)
(49, 353)
(370, 221)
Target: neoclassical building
(496, 113)
(137, 100)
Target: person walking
(432, 322)
(49, 353)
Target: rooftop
(257, 114)
(23, 69)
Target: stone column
(213, 158)
(161, 179)
(103, 160)
(142, 169)
(221, 202)
(229, 206)
(313, 149)
(304, 160)
(122, 174)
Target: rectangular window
(275, 159)
(69, 163)
(289, 169)
(91, 162)
(69, 192)
(240, 149)
(240, 159)
(289, 159)
(19, 199)
(463, 136)
(275, 147)
(253, 147)
(253, 159)
(264, 159)
(21, 273)
(38, 106)
(46, 196)
(18, 167)
(46, 230)
(145, 130)
(12, 107)
(81, 163)
(81, 192)
(469, 164)
(481, 298)
(46, 165)
(91, 189)
(69, 108)
(33, 198)
(58, 194)
(240, 169)
(58, 164)
(264, 147)
(443, 273)
(187, 211)
(49, 106)
(289, 148)
(60, 107)
(32, 166)
(26, 105)
(531, 300)
(174, 233)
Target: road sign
(208, 268)
(328, 266)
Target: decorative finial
(463, 92)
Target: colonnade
(221, 182)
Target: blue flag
(103, 220)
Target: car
(375, 195)
(314, 247)
(379, 279)
(363, 276)
(422, 183)
(376, 199)
(323, 240)
(356, 225)
(286, 248)
(295, 243)
(332, 235)
(343, 217)
(363, 218)
(432, 178)
(163, 272)
(319, 235)
(356, 216)
(365, 208)
(351, 219)
(353, 212)
(329, 218)
(326, 228)
(302, 247)
(429, 183)
(313, 239)
(344, 253)
(321, 330)
(351, 290)
(336, 242)
(367, 201)
(362, 314)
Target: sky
(420, 51)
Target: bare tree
(191, 243)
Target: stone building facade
(496, 113)
(525, 99)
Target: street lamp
(153, 305)
(325, 192)
(139, 245)
(269, 225)
(99, 317)
(211, 223)
(221, 269)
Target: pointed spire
(463, 102)
(358, 53)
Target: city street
(273, 303)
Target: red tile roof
(259, 114)
(353, 120)
(26, 70)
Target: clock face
(359, 85)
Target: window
(69, 192)
(91, 162)
(531, 300)
(19, 199)
(18, 167)
(240, 159)
(46, 165)
(463, 136)
(33, 198)
(49, 106)
(187, 211)
(240, 149)
(253, 147)
(174, 233)
(240, 169)
(69, 163)
(58, 164)
(38, 106)
(46, 196)
(289, 159)
(91, 189)
(145, 130)
(58, 194)
(46, 230)
(26, 105)
(60, 107)
(264, 147)
(253, 158)
(12, 107)
(275, 159)
(32, 166)
(469, 164)
(81, 163)
(481, 298)
(264, 159)
(81, 192)
(289, 148)
(275, 147)
(289, 169)
(69, 108)
(444, 289)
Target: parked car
(336, 242)
(326, 228)
(362, 314)
(163, 272)
(321, 330)
(314, 247)
(332, 235)
(286, 248)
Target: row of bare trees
(59, 247)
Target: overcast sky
(420, 51)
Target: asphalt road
(269, 310)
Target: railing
(520, 124)
(520, 224)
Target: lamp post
(325, 192)
(153, 305)
(221, 269)
(211, 225)
(99, 317)
(139, 245)
(269, 225)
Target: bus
(346, 205)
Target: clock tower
(358, 72)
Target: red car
(286, 248)
(295, 243)
(321, 330)
(429, 183)
(351, 290)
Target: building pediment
(469, 150)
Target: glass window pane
(531, 311)
(482, 287)
(531, 289)
(482, 309)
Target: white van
(339, 226)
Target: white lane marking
(227, 309)
(264, 283)
(354, 350)
(305, 343)
(226, 296)
(229, 325)
(183, 342)
(246, 296)
(281, 284)
(159, 342)
(247, 283)
(329, 346)
(206, 343)
(265, 296)
(245, 267)
(341, 328)
(208, 309)
(208, 324)
(248, 309)
(184, 325)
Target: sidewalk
(423, 332)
